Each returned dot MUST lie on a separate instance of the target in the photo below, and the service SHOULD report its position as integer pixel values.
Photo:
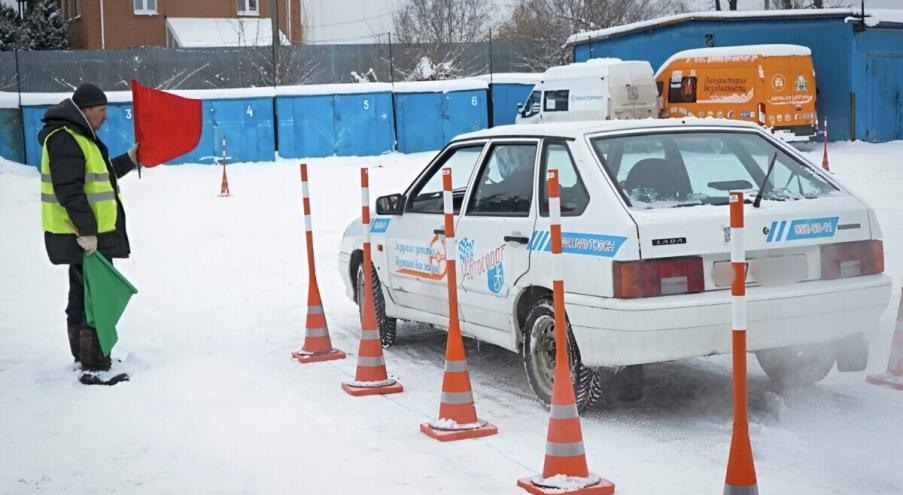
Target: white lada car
(646, 250)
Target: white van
(598, 89)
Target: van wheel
(387, 325)
(798, 365)
(539, 358)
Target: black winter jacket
(67, 171)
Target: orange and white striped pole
(741, 471)
(457, 412)
(371, 377)
(317, 344)
(565, 467)
(224, 183)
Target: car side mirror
(520, 108)
(392, 204)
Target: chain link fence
(213, 68)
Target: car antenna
(758, 200)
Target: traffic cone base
(594, 485)
(316, 357)
(889, 379)
(392, 387)
(479, 429)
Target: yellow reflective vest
(98, 189)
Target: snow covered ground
(216, 405)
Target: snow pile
(565, 483)
(451, 425)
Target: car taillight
(852, 259)
(661, 277)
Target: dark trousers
(75, 310)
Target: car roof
(575, 130)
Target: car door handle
(516, 238)
(439, 231)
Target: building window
(71, 9)
(145, 7)
(248, 7)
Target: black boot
(90, 354)
(74, 330)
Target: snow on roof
(724, 53)
(874, 17)
(511, 77)
(440, 86)
(194, 32)
(39, 99)
(705, 16)
(580, 128)
(334, 89)
(9, 100)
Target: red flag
(166, 125)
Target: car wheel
(798, 365)
(539, 358)
(387, 325)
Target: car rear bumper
(620, 332)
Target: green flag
(107, 293)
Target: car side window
(505, 184)
(574, 196)
(427, 197)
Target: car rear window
(692, 168)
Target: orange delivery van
(773, 85)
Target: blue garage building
(858, 61)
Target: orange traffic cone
(824, 158)
(224, 185)
(371, 377)
(457, 412)
(894, 375)
(317, 345)
(565, 469)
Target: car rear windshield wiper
(758, 200)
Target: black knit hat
(88, 95)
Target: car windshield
(676, 169)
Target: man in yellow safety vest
(81, 208)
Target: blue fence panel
(11, 145)
(247, 125)
(878, 84)
(118, 131)
(420, 121)
(505, 98)
(463, 111)
(364, 124)
(306, 126)
(31, 119)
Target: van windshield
(675, 169)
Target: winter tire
(539, 358)
(387, 325)
(798, 365)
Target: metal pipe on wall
(102, 41)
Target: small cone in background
(894, 375)
(824, 158)
(564, 470)
(317, 344)
(457, 412)
(371, 377)
(224, 185)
